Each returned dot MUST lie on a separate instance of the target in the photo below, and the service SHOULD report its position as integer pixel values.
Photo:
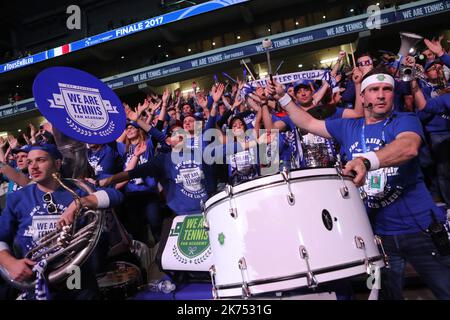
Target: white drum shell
(268, 232)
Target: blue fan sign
(79, 105)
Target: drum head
(121, 281)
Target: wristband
(102, 199)
(284, 101)
(374, 161)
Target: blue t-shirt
(138, 186)
(291, 150)
(104, 161)
(406, 205)
(436, 115)
(185, 182)
(25, 218)
(402, 89)
(243, 165)
(349, 94)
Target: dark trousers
(419, 250)
(440, 145)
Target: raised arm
(301, 118)
(13, 175)
(358, 111)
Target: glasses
(51, 206)
(364, 63)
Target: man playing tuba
(38, 209)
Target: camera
(439, 236)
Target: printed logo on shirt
(191, 178)
(380, 189)
(242, 166)
(141, 160)
(94, 162)
(41, 225)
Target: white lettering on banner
(215, 58)
(154, 73)
(292, 77)
(434, 8)
(116, 84)
(259, 48)
(18, 63)
(335, 30)
(407, 14)
(282, 43)
(227, 56)
(84, 105)
(129, 29)
(153, 22)
(302, 39)
(354, 26)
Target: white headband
(377, 78)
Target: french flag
(59, 51)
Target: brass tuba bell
(407, 48)
(66, 248)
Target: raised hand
(3, 142)
(237, 102)
(12, 142)
(357, 76)
(254, 102)
(435, 46)
(133, 116)
(275, 90)
(410, 61)
(142, 107)
(165, 97)
(202, 101)
(217, 92)
(140, 149)
(33, 130)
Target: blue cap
(394, 64)
(51, 149)
(302, 83)
(134, 124)
(197, 116)
(429, 64)
(26, 148)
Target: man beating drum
(383, 146)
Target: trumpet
(409, 73)
(407, 48)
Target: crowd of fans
(154, 187)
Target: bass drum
(286, 231)
(121, 281)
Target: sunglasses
(364, 63)
(51, 206)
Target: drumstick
(248, 69)
(353, 56)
